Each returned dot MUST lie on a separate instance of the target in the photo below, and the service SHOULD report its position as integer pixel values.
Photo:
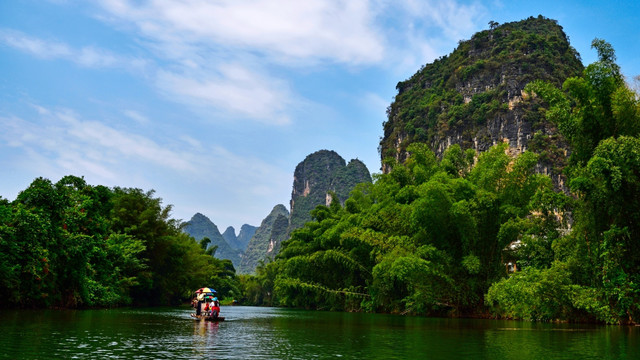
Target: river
(274, 333)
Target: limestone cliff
(474, 96)
(314, 178)
(262, 244)
(229, 236)
(317, 175)
(240, 241)
(244, 236)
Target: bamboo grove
(71, 244)
(434, 236)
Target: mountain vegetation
(594, 271)
(244, 236)
(200, 227)
(474, 96)
(261, 245)
(229, 235)
(316, 176)
(240, 241)
(435, 234)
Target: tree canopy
(436, 236)
(71, 244)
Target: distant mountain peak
(258, 247)
(320, 173)
(201, 226)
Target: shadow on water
(270, 333)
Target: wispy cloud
(339, 31)
(455, 20)
(233, 58)
(34, 46)
(58, 142)
(89, 56)
(211, 45)
(136, 116)
(233, 90)
(88, 146)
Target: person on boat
(207, 309)
(215, 307)
(197, 302)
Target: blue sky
(213, 103)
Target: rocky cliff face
(229, 236)
(262, 244)
(201, 226)
(474, 96)
(278, 235)
(317, 175)
(240, 241)
(244, 236)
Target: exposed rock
(262, 240)
(244, 236)
(314, 179)
(317, 175)
(474, 96)
(229, 236)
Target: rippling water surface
(271, 333)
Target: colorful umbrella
(205, 290)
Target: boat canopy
(205, 294)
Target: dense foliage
(435, 236)
(595, 272)
(71, 244)
(426, 238)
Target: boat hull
(207, 318)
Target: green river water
(273, 333)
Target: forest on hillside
(434, 236)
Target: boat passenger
(215, 307)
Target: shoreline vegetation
(436, 236)
(432, 236)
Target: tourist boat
(205, 295)
(207, 318)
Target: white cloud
(339, 31)
(73, 144)
(231, 58)
(222, 53)
(136, 116)
(57, 142)
(34, 46)
(89, 56)
(455, 20)
(233, 90)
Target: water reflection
(267, 333)
(205, 334)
